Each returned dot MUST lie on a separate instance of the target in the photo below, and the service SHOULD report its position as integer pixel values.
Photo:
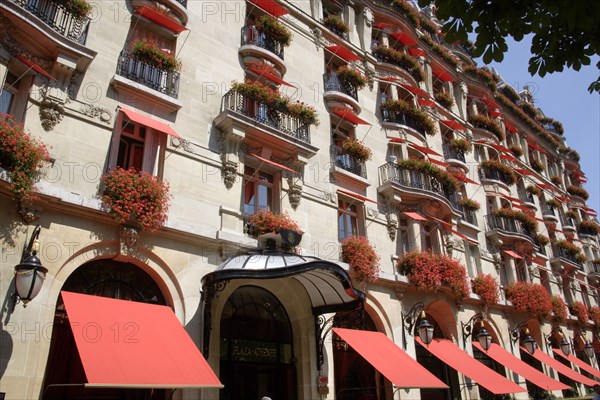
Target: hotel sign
(246, 350)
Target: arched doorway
(355, 378)
(256, 347)
(64, 375)
(437, 368)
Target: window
(349, 216)
(404, 243)
(9, 92)
(136, 146)
(258, 191)
(521, 270)
(429, 238)
(473, 260)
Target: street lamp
(29, 273)
(409, 320)
(528, 342)
(483, 337)
(564, 345)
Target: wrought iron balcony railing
(507, 224)
(280, 120)
(567, 221)
(57, 17)
(468, 215)
(402, 119)
(347, 162)
(486, 173)
(452, 153)
(332, 82)
(251, 35)
(526, 197)
(548, 210)
(391, 172)
(138, 70)
(182, 2)
(559, 252)
(594, 268)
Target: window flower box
(516, 150)
(536, 165)
(557, 180)
(594, 314)
(580, 311)
(79, 8)
(444, 99)
(487, 288)
(588, 228)
(553, 203)
(148, 51)
(534, 190)
(430, 272)
(336, 24)
(510, 93)
(273, 28)
(462, 144)
(552, 124)
(440, 50)
(268, 222)
(507, 173)
(21, 156)
(352, 76)
(531, 298)
(570, 249)
(356, 149)
(482, 74)
(481, 121)
(541, 239)
(400, 59)
(559, 308)
(362, 258)
(578, 191)
(469, 204)
(529, 222)
(530, 110)
(448, 181)
(405, 108)
(137, 197)
(407, 10)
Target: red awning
(523, 171)
(268, 73)
(563, 199)
(381, 25)
(508, 157)
(511, 362)
(545, 186)
(512, 254)
(389, 78)
(560, 367)
(348, 115)
(415, 90)
(510, 198)
(580, 363)
(501, 148)
(424, 150)
(534, 147)
(442, 75)
(520, 207)
(404, 38)
(495, 113)
(489, 103)
(464, 178)
(153, 349)
(397, 140)
(540, 261)
(273, 163)
(343, 53)
(415, 215)
(358, 196)
(449, 228)
(426, 102)
(452, 124)
(160, 19)
(455, 358)
(35, 67)
(270, 6)
(511, 128)
(385, 356)
(440, 163)
(417, 52)
(149, 122)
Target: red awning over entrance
(580, 363)
(389, 359)
(127, 344)
(160, 19)
(511, 362)
(455, 358)
(560, 367)
(150, 123)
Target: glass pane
(249, 198)
(264, 197)
(6, 99)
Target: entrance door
(256, 347)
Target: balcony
(509, 229)
(562, 256)
(495, 175)
(347, 162)
(549, 213)
(332, 83)
(257, 46)
(469, 216)
(526, 197)
(403, 120)
(136, 70)
(567, 223)
(413, 187)
(58, 18)
(594, 269)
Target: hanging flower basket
(487, 288)
(352, 76)
(79, 8)
(273, 28)
(462, 144)
(21, 156)
(149, 51)
(580, 311)
(469, 204)
(356, 149)
(578, 191)
(132, 196)
(362, 257)
(403, 107)
(531, 298)
(559, 308)
(430, 272)
(444, 99)
(335, 23)
(268, 222)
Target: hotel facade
(338, 120)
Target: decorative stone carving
(51, 111)
(186, 145)
(103, 114)
(368, 16)
(399, 292)
(317, 36)
(294, 193)
(328, 196)
(129, 237)
(392, 225)
(370, 74)
(229, 173)
(28, 212)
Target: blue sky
(564, 97)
